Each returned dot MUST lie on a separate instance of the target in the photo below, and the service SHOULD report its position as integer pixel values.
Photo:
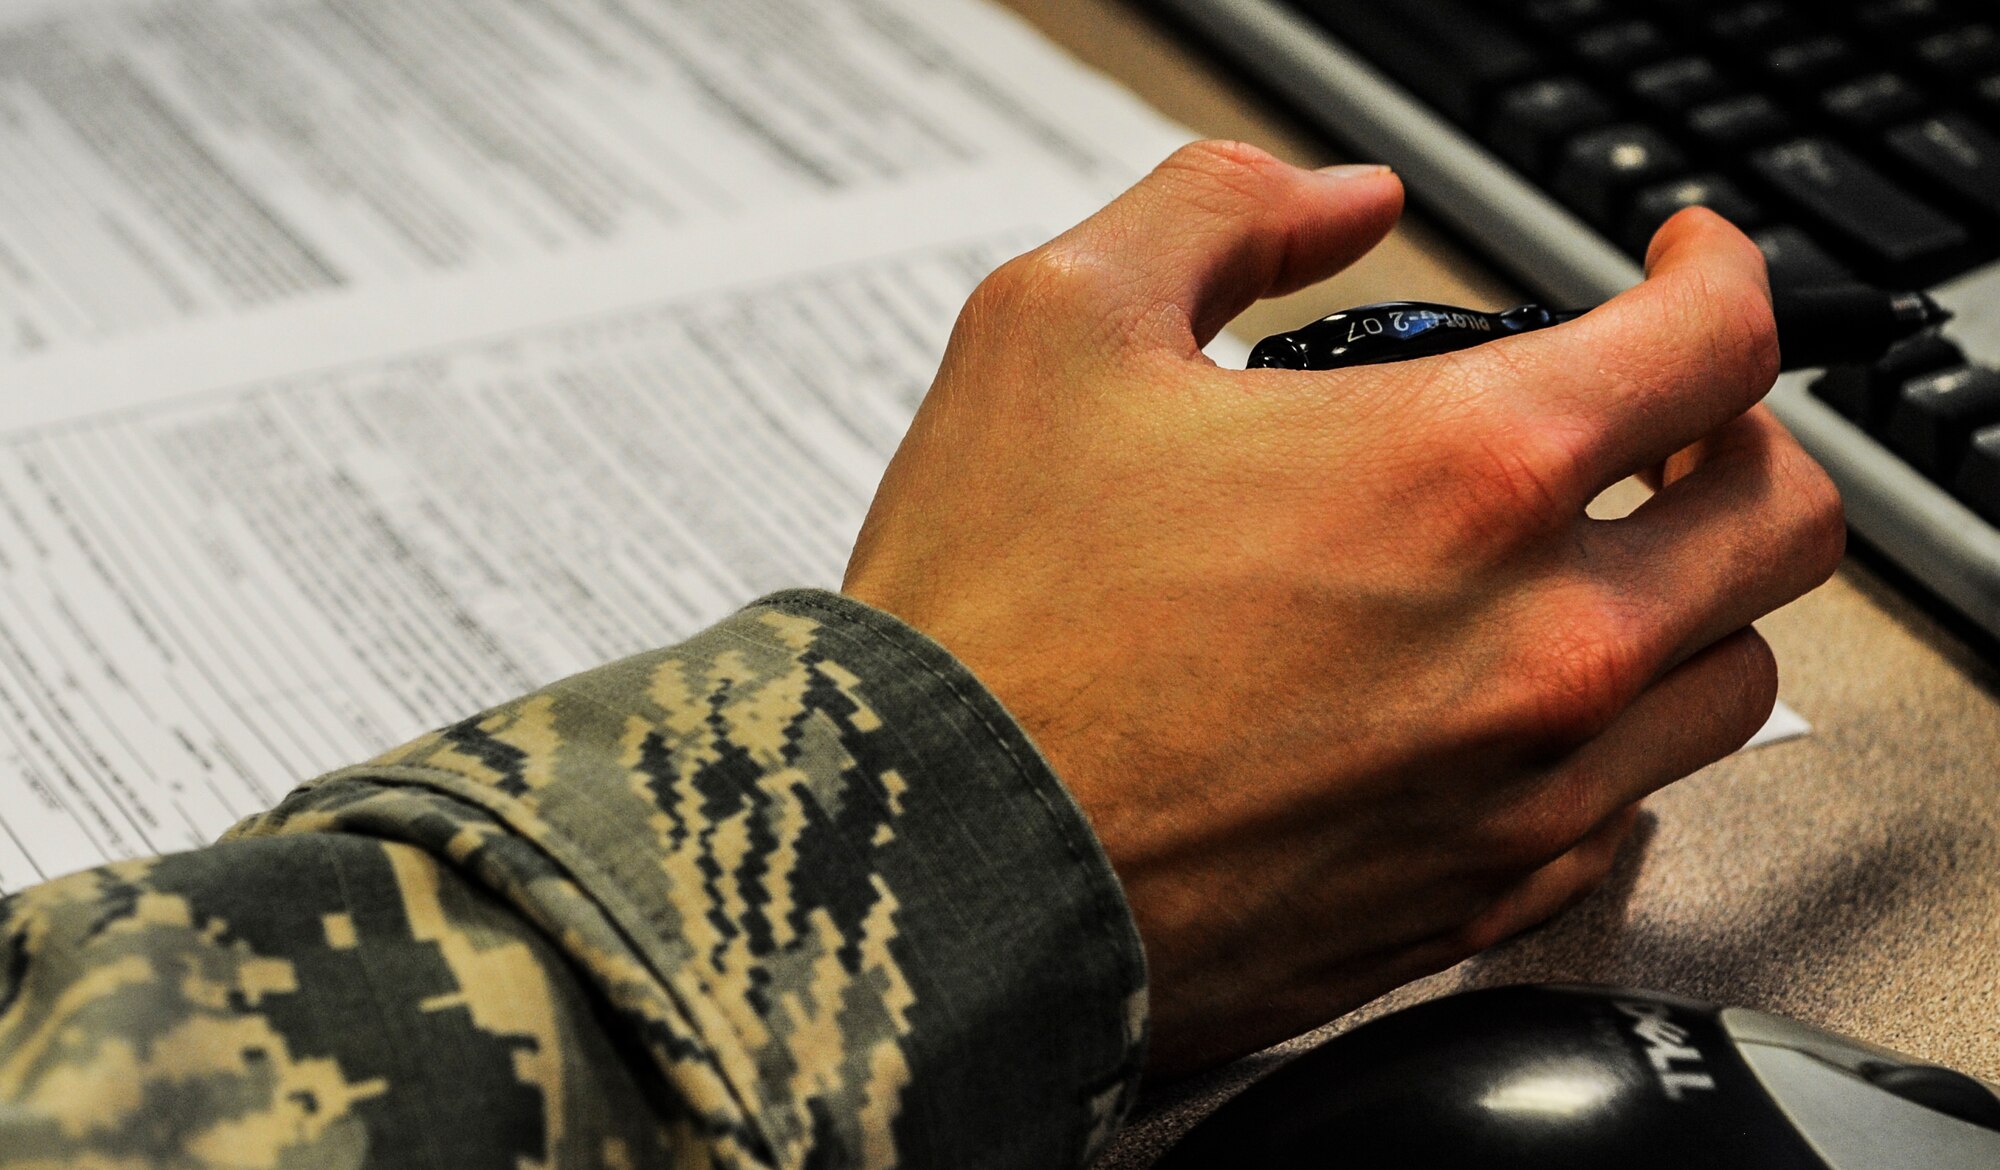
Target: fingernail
(1354, 171)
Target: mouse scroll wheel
(1951, 1093)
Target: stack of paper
(372, 362)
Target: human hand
(1347, 682)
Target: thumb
(1220, 224)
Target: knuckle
(1743, 335)
(1052, 275)
(1540, 831)
(1222, 170)
(1223, 157)
(1821, 528)
(1723, 329)
(1752, 688)
(1578, 684)
(1066, 300)
(1003, 289)
(1518, 478)
(1688, 218)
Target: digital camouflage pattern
(793, 893)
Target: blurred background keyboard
(1855, 140)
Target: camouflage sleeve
(796, 892)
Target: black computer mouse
(1596, 1078)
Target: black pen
(1816, 327)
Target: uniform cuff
(815, 871)
(1029, 1017)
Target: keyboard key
(1986, 98)
(1898, 17)
(1898, 238)
(1451, 54)
(1601, 167)
(1675, 84)
(1977, 484)
(1563, 16)
(1864, 395)
(1932, 421)
(1533, 120)
(1874, 101)
(1962, 54)
(1812, 62)
(1795, 261)
(1734, 123)
(1756, 24)
(1620, 46)
(1953, 152)
(1655, 205)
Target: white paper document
(168, 160)
(374, 362)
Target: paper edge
(1784, 724)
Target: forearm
(798, 883)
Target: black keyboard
(1852, 139)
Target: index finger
(1655, 368)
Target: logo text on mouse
(1677, 1063)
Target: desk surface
(1850, 879)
